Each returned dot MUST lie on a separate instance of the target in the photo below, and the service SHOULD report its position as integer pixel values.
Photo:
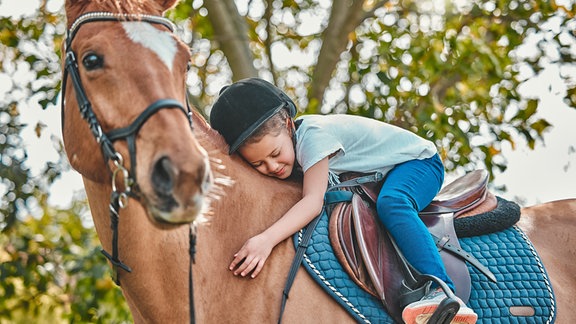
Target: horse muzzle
(178, 195)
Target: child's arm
(257, 249)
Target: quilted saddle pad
(522, 280)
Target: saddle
(369, 255)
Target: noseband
(119, 199)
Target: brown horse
(551, 227)
(122, 73)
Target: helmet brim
(250, 130)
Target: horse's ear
(167, 4)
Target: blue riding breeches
(408, 188)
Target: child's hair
(272, 126)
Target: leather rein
(119, 197)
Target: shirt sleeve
(314, 144)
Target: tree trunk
(231, 32)
(345, 16)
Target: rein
(119, 198)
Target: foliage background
(449, 71)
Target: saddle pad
(522, 279)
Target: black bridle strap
(108, 16)
(192, 252)
(71, 68)
(131, 129)
(114, 219)
(105, 140)
(129, 132)
(85, 107)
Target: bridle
(119, 197)
(129, 133)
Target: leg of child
(407, 189)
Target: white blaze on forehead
(160, 42)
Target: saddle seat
(368, 254)
(461, 195)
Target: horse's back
(552, 229)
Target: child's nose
(272, 166)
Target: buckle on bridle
(128, 181)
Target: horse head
(125, 117)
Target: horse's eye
(92, 61)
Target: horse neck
(249, 201)
(157, 254)
(245, 208)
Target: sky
(544, 174)
(549, 171)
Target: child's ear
(290, 126)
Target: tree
(447, 71)
(51, 268)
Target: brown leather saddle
(369, 255)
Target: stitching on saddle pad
(329, 285)
(544, 274)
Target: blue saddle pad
(522, 279)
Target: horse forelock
(74, 8)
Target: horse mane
(211, 135)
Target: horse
(550, 227)
(182, 175)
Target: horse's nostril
(163, 176)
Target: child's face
(272, 155)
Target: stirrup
(446, 311)
(448, 307)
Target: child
(256, 120)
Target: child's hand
(251, 257)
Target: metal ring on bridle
(118, 162)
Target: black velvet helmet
(244, 106)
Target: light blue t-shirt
(359, 144)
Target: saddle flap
(345, 231)
(377, 251)
(366, 253)
(344, 243)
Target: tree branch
(231, 32)
(345, 16)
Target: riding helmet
(244, 106)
